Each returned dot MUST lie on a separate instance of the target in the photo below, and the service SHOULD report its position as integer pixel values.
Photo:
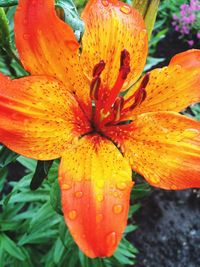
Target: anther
(117, 107)
(123, 73)
(98, 68)
(140, 94)
(94, 88)
(125, 64)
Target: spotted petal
(172, 88)
(95, 182)
(38, 116)
(48, 46)
(164, 147)
(110, 27)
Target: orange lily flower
(70, 107)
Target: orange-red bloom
(70, 107)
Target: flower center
(109, 108)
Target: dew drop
(115, 194)
(100, 198)
(99, 217)
(72, 214)
(117, 209)
(105, 3)
(121, 185)
(78, 194)
(25, 21)
(25, 36)
(66, 186)
(125, 9)
(173, 187)
(111, 239)
(100, 183)
(155, 180)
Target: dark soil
(170, 46)
(169, 221)
(169, 229)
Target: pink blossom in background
(187, 21)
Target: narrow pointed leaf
(11, 248)
(6, 156)
(55, 198)
(40, 174)
(67, 11)
(4, 30)
(148, 9)
(7, 3)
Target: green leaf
(3, 176)
(40, 174)
(8, 3)
(67, 11)
(6, 156)
(4, 30)
(58, 251)
(152, 61)
(11, 248)
(1, 253)
(148, 9)
(28, 163)
(133, 209)
(55, 198)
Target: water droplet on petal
(173, 187)
(100, 198)
(78, 194)
(72, 214)
(25, 36)
(155, 180)
(115, 194)
(66, 186)
(121, 185)
(117, 209)
(105, 3)
(99, 217)
(125, 9)
(111, 239)
(100, 183)
(25, 21)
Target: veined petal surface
(39, 117)
(112, 26)
(164, 147)
(95, 183)
(48, 46)
(172, 88)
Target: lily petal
(110, 27)
(95, 181)
(172, 88)
(48, 46)
(38, 116)
(164, 147)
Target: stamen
(98, 68)
(140, 94)
(125, 63)
(123, 73)
(117, 108)
(94, 88)
(96, 82)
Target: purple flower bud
(175, 17)
(190, 42)
(198, 35)
(177, 28)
